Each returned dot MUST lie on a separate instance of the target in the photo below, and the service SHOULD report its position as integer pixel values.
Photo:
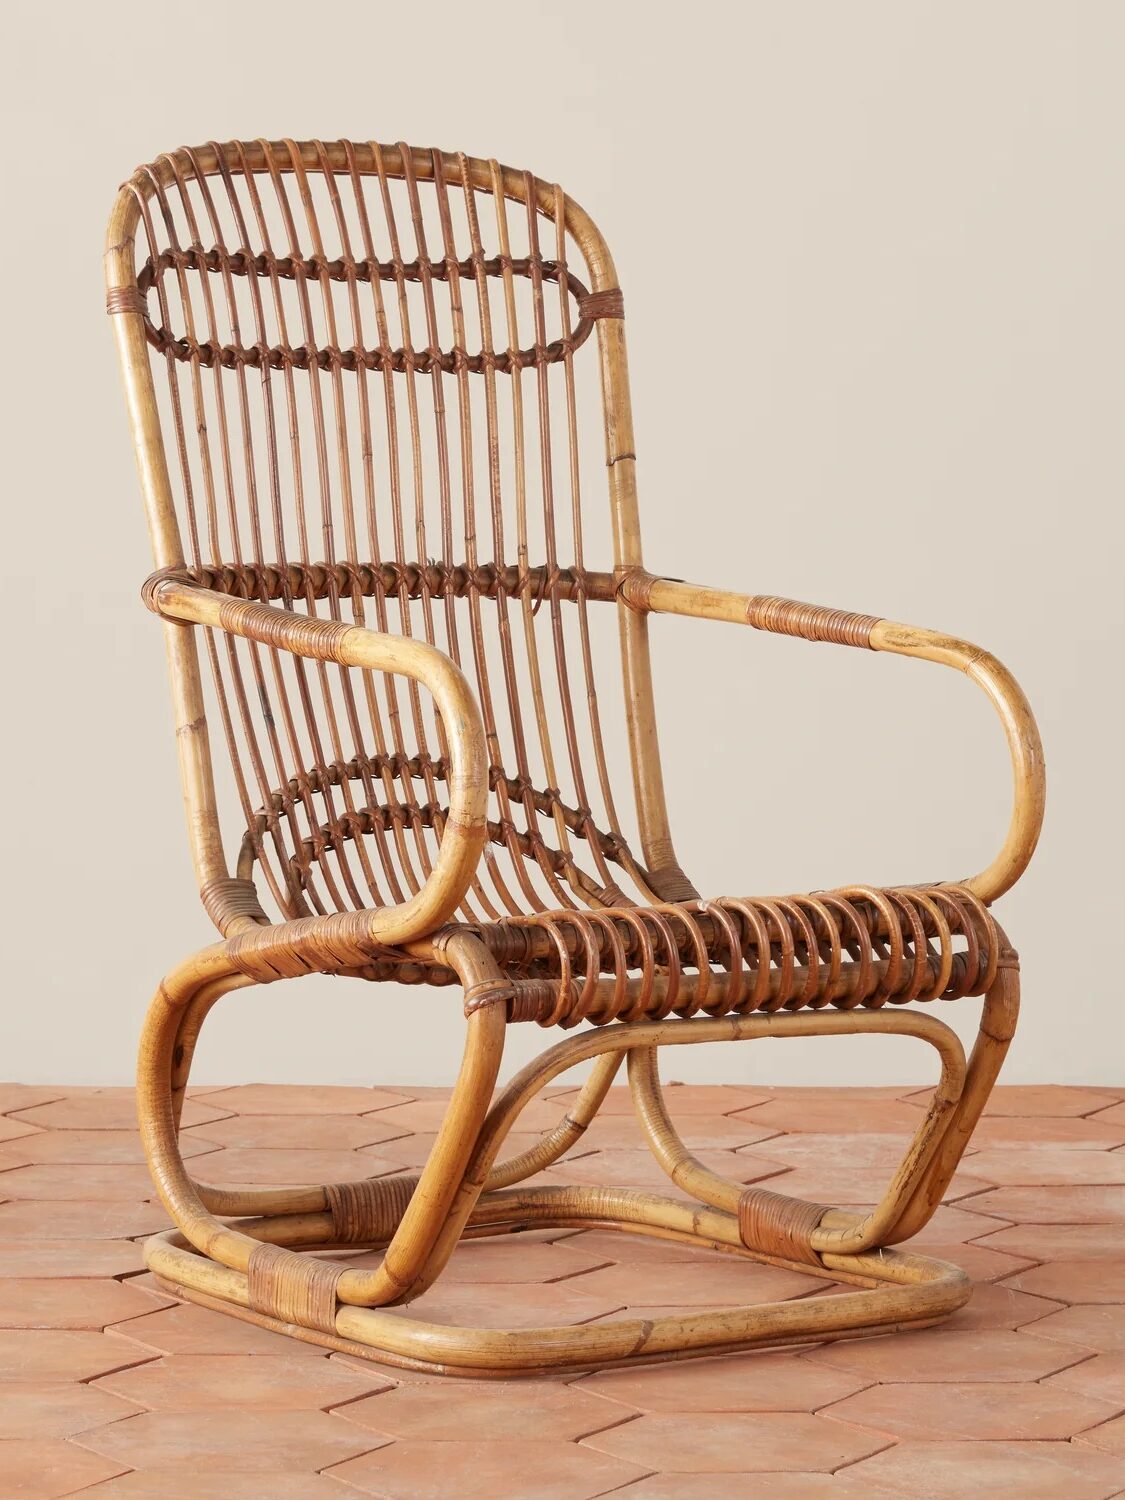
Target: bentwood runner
(358, 379)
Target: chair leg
(256, 1271)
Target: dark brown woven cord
(778, 1225)
(609, 303)
(292, 1288)
(124, 299)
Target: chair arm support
(464, 833)
(815, 623)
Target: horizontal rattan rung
(343, 580)
(289, 268)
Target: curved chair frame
(241, 1250)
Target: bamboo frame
(417, 805)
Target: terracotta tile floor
(109, 1389)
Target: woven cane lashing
(372, 364)
(779, 1225)
(368, 1212)
(292, 1288)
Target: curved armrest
(464, 834)
(815, 623)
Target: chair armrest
(464, 834)
(813, 622)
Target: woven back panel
(375, 367)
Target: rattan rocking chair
(373, 370)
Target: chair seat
(858, 946)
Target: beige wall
(874, 259)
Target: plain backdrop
(874, 259)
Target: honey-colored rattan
(361, 381)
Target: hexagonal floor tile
(507, 1261)
(1108, 1438)
(1098, 1132)
(701, 1132)
(1000, 1307)
(297, 1099)
(246, 1166)
(64, 1354)
(236, 1440)
(641, 1249)
(641, 1169)
(479, 1305)
(55, 1409)
(11, 1157)
(977, 1262)
(1048, 1166)
(71, 1303)
(54, 1181)
(190, 1382)
(1074, 1280)
(736, 1442)
(1055, 1205)
(162, 1483)
(972, 1410)
(726, 1284)
(1103, 1377)
(45, 1469)
(100, 1147)
(428, 1114)
(939, 1355)
(507, 1411)
(1024, 1471)
(1042, 1099)
(15, 1096)
(1057, 1241)
(326, 1132)
(738, 1382)
(1100, 1327)
(954, 1224)
(683, 1098)
(185, 1329)
(43, 1258)
(517, 1470)
(800, 1486)
(820, 1184)
(837, 1111)
(412, 1149)
(79, 1219)
(105, 1109)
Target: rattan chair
(357, 377)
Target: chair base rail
(895, 1291)
(277, 1256)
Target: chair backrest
(353, 374)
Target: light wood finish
(362, 475)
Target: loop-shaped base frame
(259, 1267)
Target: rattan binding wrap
(379, 397)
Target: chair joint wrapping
(293, 1289)
(369, 1211)
(778, 1225)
